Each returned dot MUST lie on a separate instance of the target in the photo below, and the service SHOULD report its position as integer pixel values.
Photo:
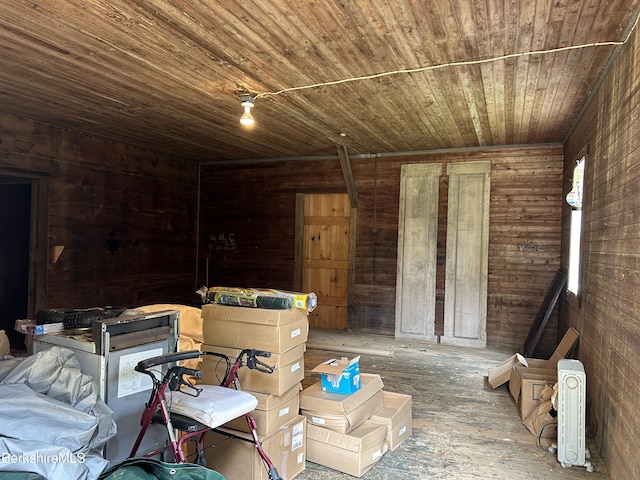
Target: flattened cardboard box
(396, 415)
(526, 385)
(271, 413)
(342, 413)
(564, 347)
(275, 331)
(288, 370)
(239, 460)
(353, 453)
(501, 373)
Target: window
(574, 199)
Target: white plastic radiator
(572, 397)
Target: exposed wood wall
(248, 227)
(607, 309)
(101, 194)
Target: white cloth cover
(51, 419)
(214, 406)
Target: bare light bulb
(247, 118)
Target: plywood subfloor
(461, 428)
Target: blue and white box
(340, 376)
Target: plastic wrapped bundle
(262, 298)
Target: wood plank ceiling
(165, 74)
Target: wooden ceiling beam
(345, 165)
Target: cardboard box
(271, 413)
(395, 414)
(501, 373)
(526, 385)
(288, 370)
(340, 376)
(342, 413)
(353, 453)
(275, 331)
(44, 329)
(239, 460)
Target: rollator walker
(189, 411)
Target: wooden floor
(461, 429)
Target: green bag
(150, 469)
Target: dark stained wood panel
(257, 202)
(607, 307)
(391, 76)
(100, 191)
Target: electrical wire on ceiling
(453, 64)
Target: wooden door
(465, 303)
(325, 269)
(417, 251)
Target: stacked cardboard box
(239, 460)
(276, 331)
(338, 412)
(351, 432)
(354, 453)
(282, 431)
(288, 369)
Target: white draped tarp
(51, 419)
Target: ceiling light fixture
(247, 101)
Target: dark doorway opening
(15, 221)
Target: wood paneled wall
(101, 194)
(607, 309)
(254, 205)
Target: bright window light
(574, 198)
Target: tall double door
(466, 264)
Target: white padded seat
(214, 406)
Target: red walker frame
(156, 410)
